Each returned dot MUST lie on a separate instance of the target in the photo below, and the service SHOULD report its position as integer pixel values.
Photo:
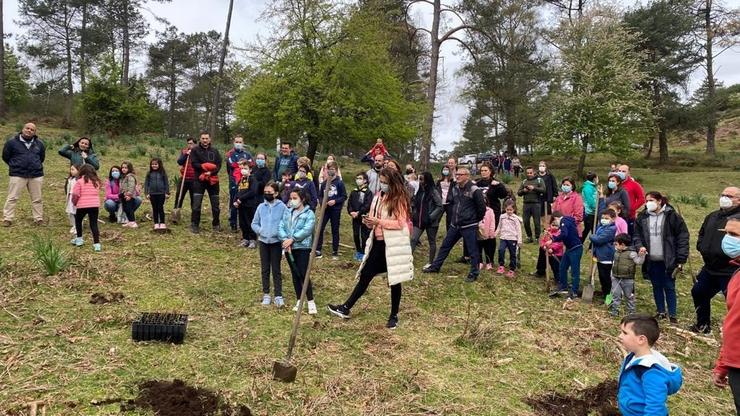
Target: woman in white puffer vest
(388, 250)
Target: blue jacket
(283, 163)
(337, 193)
(267, 219)
(646, 383)
(603, 242)
(590, 195)
(24, 162)
(309, 187)
(300, 229)
(568, 233)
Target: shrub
(138, 151)
(696, 199)
(507, 178)
(51, 258)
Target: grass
(472, 349)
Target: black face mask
(269, 198)
(378, 166)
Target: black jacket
(263, 176)
(200, 155)
(23, 162)
(468, 205)
(156, 183)
(360, 200)
(675, 237)
(709, 243)
(426, 209)
(494, 194)
(551, 187)
(246, 192)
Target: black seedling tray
(155, 326)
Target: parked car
(467, 160)
(484, 157)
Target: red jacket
(636, 195)
(729, 353)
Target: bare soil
(175, 398)
(101, 298)
(599, 400)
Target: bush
(51, 258)
(695, 199)
(138, 151)
(507, 178)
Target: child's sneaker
(318, 256)
(359, 256)
(97, 247)
(295, 308)
(339, 310)
(481, 266)
(162, 226)
(489, 266)
(266, 300)
(500, 270)
(312, 308)
(73, 230)
(244, 243)
(608, 299)
(335, 256)
(77, 241)
(251, 244)
(510, 274)
(279, 302)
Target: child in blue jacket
(296, 233)
(266, 225)
(602, 248)
(333, 211)
(646, 378)
(571, 256)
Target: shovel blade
(284, 371)
(175, 216)
(588, 293)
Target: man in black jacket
(24, 154)
(717, 270)
(202, 157)
(468, 208)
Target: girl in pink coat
(86, 199)
(487, 239)
(569, 202)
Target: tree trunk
(582, 158)
(650, 146)
(663, 142)
(125, 45)
(660, 116)
(70, 85)
(83, 45)
(172, 97)
(2, 62)
(711, 88)
(426, 140)
(219, 79)
(313, 146)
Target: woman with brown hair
(389, 249)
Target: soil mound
(175, 398)
(101, 298)
(599, 400)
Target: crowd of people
(616, 222)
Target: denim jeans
(511, 246)
(571, 259)
(470, 239)
(664, 287)
(705, 288)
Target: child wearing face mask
(445, 183)
(359, 205)
(333, 211)
(262, 173)
(266, 225)
(602, 246)
(296, 234)
(246, 202)
(70, 209)
(509, 231)
(157, 189)
(303, 182)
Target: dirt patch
(599, 400)
(101, 298)
(175, 398)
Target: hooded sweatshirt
(568, 233)
(510, 227)
(645, 384)
(589, 194)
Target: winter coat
(299, 229)
(603, 243)
(200, 155)
(266, 222)
(635, 194)
(426, 208)
(309, 187)
(373, 180)
(468, 205)
(493, 193)
(709, 243)
(86, 194)
(568, 233)
(24, 162)
(128, 185)
(557, 248)
(675, 237)
(590, 196)
(189, 173)
(70, 185)
(487, 226)
(263, 177)
(112, 190)
(233, 157)
(395, 232)
(283, 163)
(551, 187)
(535, 195)
(359, 201)
(337, 193)
(570, 205)
(625, 264)
(645, 384)
(510, 228)
(729, 353)
(74, 154)
(246, 192)
(619, 195)
(156, 183)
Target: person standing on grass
(373, 180)
(602, 249)
(359, 205)
(246, 202)
(157, 190)
(262, 173)
(531, 191)
(266, 225)
(390, 247)
(129, 194)
(445, 184)
(296, 234)
(235, 155)
(86, 199)
(426, 211)
(487, 239)
(187, 174)
(571, 256)
(206, 163)
(286, 160)
(614, 193)
(468, 209)
(727, 370)
(303, 182)
(333, 210)
(634, 191)
(493, 190)
(80, 153)
(662, 234)
(516, 165)
(717, 270)
(590, 197)
(69, 208)
(554, 250)
(551, 189)
(624, 267)
(24, 154)
(322, 173)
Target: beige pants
(15, 186)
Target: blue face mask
(731, 246)
(622, 175)
(612, 185)
(115, 174)
(260, 163)
(566, 188)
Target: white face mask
(238, 146)
(651, 206)
(294, 203)
(543, 169)
(725, 202)
(245, 172)
(384, 187)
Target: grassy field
(472, 349)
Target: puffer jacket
(74, 154)
(487, 226)
(427, 209)
(709, 243)
(675, 237)
(156, 183)
(468, 205)
(603, 242)
(23, 162)
(267, 219)
(557, 248)
(645, 384)
(299, 229)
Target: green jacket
(590, 195)
(532, 196)
(75, 156)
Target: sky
(198, 15)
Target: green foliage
(137, 152)
(695, 199)
(50, 257)
(16, 80)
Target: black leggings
(129, 208)
(374, 265)
(246, 215)
(157, 208)
(605, 277)
(301, 257)
(92, 214)
(489, 246)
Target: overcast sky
(199, 15)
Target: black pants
(374, 265)
(532, 211)
(448, 216)
(431, 238)
(129, 208)
(92, 214)
(545, 208)
(605, 277)
(705, 288)
(588, 226)
(186, 189)
(270, 257)
(157, 208)
(360, 233)
(332, 215)
(199, 190)
(734, 378)
(489, 246)
(233, 214)
(301, 257)
(555, 266)
(246, 215)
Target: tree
(596, 103)
(15, 80)
(219, 79)
(2, 59)
(669, 55)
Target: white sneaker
(73, 230)
(295, 308)
(312, 308)
(266, 300)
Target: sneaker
(673, 320)
(295, 308)
(112, 218)
(78, 242)
(7, 223)
(558, 292)
(233, 228)
(133, 224)
(318, 254)
(489, 266)
(312, 308)
(428, 269)
(339, 310)
(38, 223)
(661, 315)
(701, 329)
(359, 256)
(463, 260)
(279, 302)
(536, 274)
(194, 229)
(97, 247)
(335, 257)
(481, 266)
(500, 270)
(251, 244)
(573, 296)
(510, 274)
(73, 230)
(392, 322)
(156, 226)
(471, 278)
(216, 228)
(244, 243)
(608, 300)
(162, 226)
(266, 300)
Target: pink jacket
(510, 227)
(88, 194)
(557, 247)
(570, 205)
(111, 190)
(621, 225)
(487, 226)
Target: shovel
(588, 291)
(283, 370)
(178, 204)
